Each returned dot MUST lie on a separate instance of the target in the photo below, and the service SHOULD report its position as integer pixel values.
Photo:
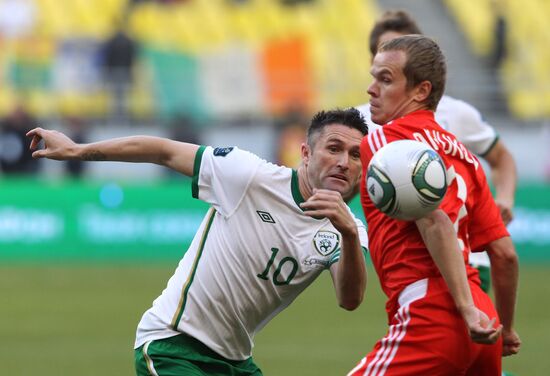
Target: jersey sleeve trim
(490, 147)
(336, 256)
(196, 170)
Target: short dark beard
(94, 155)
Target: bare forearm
(504, 180)
(503, 173)
(440, 238)
(176, 155)
(351, 276)
(126, 149)
(505, 274)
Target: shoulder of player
(238, 161)
(233, 153)
(457, 109)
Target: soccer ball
(406, 179)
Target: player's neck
(413, 107)
(306, 190)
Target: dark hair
(425, 62)
(350, 117)
(398, 21)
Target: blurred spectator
(17, 18)
(131, 4)
(119, 55)
(295, 2)
(14, 155)
(499, 46)
(173, 2)
(291, 129)
(184, 129)
(75, 130)
(137, 2)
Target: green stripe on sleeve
(336, 257)
(484, 154)
(365, 253)
(196, 170)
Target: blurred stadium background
(85, 248)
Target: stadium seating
(313, 53)
(331, 62)
(524, 71)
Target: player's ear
(422, 91)
(306, 152)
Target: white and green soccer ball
(406, 179)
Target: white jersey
(466, 123)
(254, 252)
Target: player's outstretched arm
(505, 274)
(504, 177)
(178, 156)
(349, 274)
(440, 238)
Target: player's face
(334, 162)
(390, 98)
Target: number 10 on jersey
(279, 280)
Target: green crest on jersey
(326, 242)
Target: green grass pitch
(80, 320)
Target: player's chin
(379, 118)
(338, 185)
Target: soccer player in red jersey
(440, 321)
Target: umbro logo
(265, 216)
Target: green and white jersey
(254, 252)
(466, 123)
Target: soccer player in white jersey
(269, 233)
(466, 123)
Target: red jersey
(398, 252)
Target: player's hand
(506, 211)
(510, 342)
(329, 204)
(481, 329)
(56, 145)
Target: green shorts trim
(184, 355)
(485, 277)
